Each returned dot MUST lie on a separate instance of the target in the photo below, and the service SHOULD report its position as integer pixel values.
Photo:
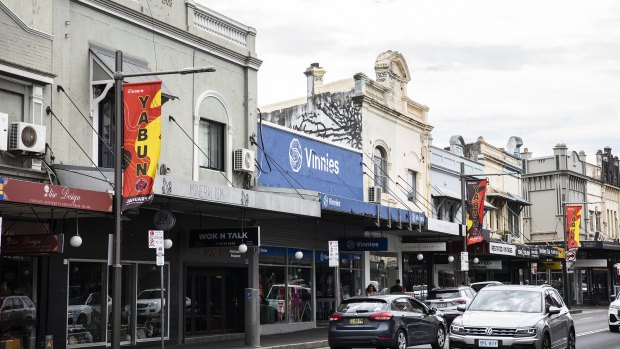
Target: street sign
(159, 260)
(334, 257)
(464, 261)
(156, 238)
(571, 256)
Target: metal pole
(163, 304)
(464, 216)
(564, 270)
(118, 192)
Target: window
(412, 180)
(380, 168)
(107, 131)
(211, 142)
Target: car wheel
(546, 342)
(613, 328)
(401, 340)
(440, 340)
(571, 340)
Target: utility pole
(464, 217)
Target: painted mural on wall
(332, 117)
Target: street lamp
(119, 76)
(566, 290)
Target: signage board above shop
(319, 165)
(363, 244)
(424, 247)
(34, 244)
(503, 249)
(224, 237)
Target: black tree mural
(335, 117)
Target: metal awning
(130, 66)
(498, 193)
(446, 193)
(519, 200)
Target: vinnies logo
(294, 155)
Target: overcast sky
(547, 71)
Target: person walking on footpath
(371, 290)
(397, 288)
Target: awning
(498, 193)
(519, 200)
(130, 66)
(446, 193)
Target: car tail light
(460, 301)
(381, 316)
(335, 317)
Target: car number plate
(488, 343)
(441, 305)
(356, 321)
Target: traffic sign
(159, 260)
(571, 256)
(156, 238)
(334, 256)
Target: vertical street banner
(141, 141)
(475, 191)
(573, 222)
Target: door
(214, 300)
(556, 325)
(403, 309)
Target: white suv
(614, 314)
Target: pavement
(306, 339)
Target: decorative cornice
(23, 25)
(164, 29)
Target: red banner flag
(142, 141)
(475, 190)
(573, 222)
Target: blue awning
(371, 210)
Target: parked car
(477, 286)
(447, 299)
(386, 321)
(81, 308)
(14, 309)
(148, 303)
(514, 316)
(614, 314)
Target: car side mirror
(554, 310)
(461, 308)
(432, 311)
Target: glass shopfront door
(214, 300)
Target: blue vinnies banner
(302, 162)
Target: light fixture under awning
(130, 66)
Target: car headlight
(153, 305)
(526, 332)
(457, 329)
(614, 306)
(70, 312)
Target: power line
(48, 110)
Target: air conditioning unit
(243, 160)
(374, 194)
(27, 137)
(507, 238)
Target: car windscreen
(150, 294)
(79, 300)
(362, 306)
(478, 287)
(444, 294)
(507, 301)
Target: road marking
(592, 332)
(587, 318)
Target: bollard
(252, 320)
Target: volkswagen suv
(514, 316)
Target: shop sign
(464, 261)
(503, 249)
(533, 252)
(591, 263)
(487, 265)
(35, 244)
(423, 247)
(204, 191)
(546, 251)
(442, 226)
(523, 251)
(224, 237)
(54, 195)
(534, 268)
(363, 244)
(552, 265)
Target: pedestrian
(397, 288)
(371, 290)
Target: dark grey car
(386, 321)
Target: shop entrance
(214, 300)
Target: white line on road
(592, 332)
(587, 318)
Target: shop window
(148, 302)
(18, 310)
(87, 310)
(211, 142)
(383, 271)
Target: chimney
(314, 75)
(526, 155)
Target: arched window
(380, 164)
